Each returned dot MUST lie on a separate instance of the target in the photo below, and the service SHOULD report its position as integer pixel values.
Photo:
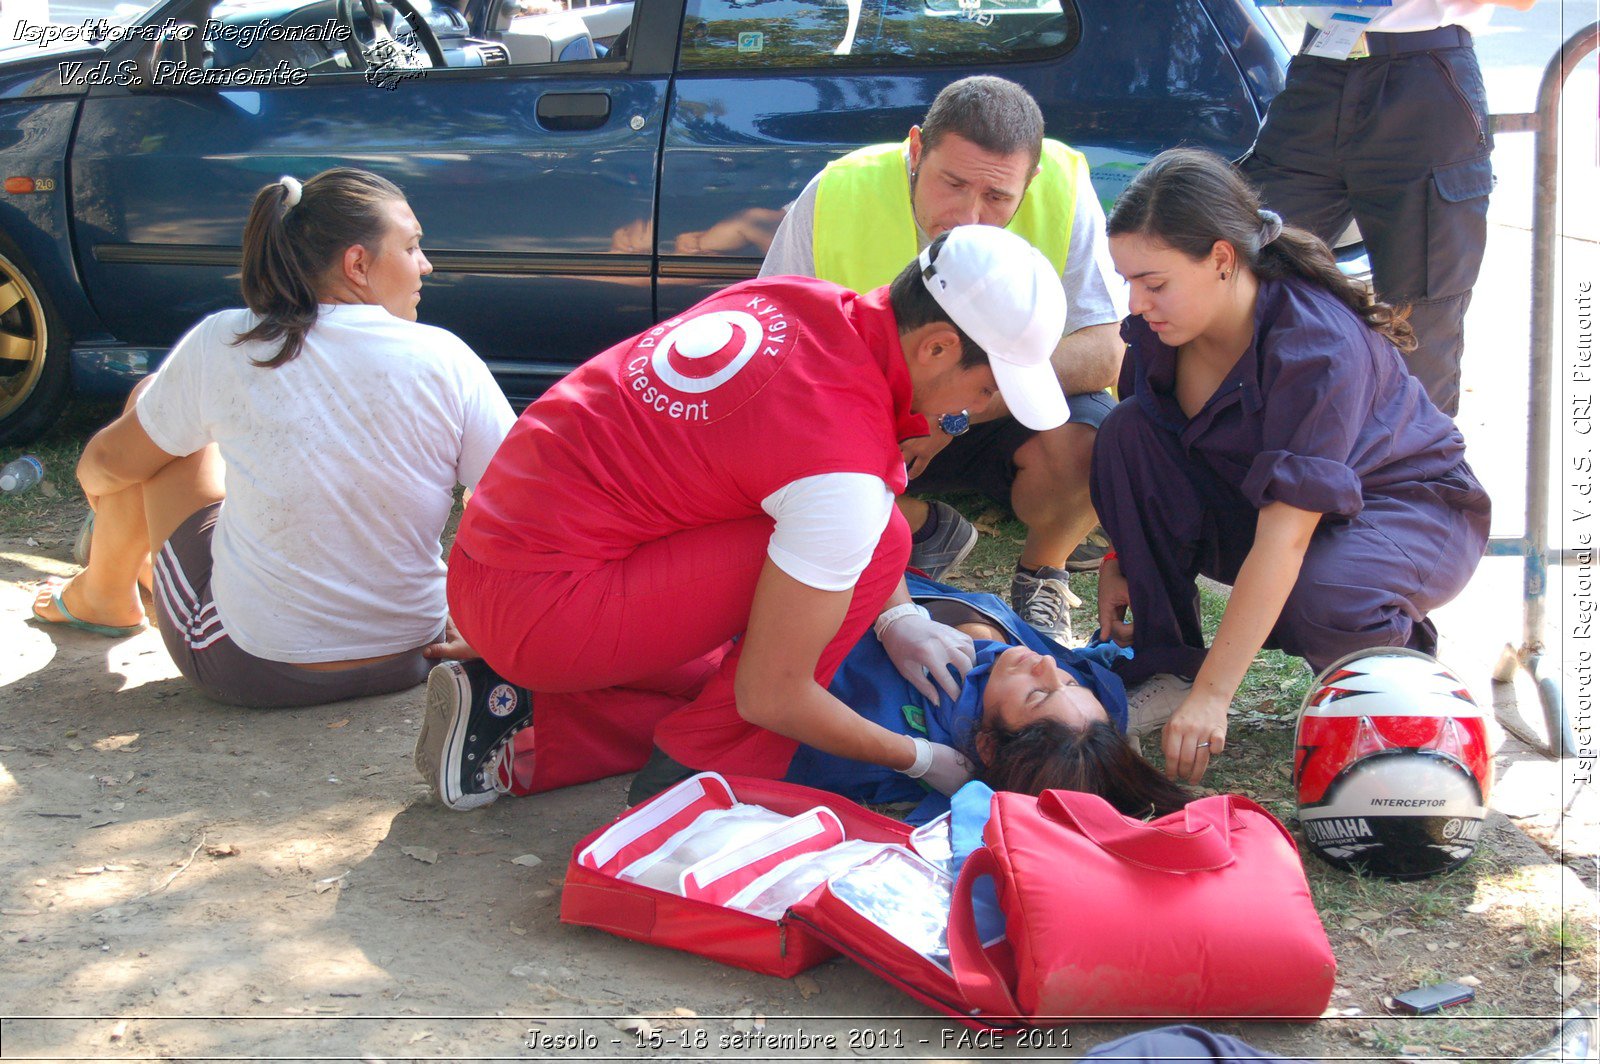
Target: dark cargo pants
(1400, 142)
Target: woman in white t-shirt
(285, 475)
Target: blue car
(579, 173)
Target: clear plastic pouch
(789, 883)
(905, 896)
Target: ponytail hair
(294, 235)
(1049, 754)
(1190, 199)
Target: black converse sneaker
(472, 715)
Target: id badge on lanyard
(1340, 37)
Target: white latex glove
(919, 645)
(944, 768)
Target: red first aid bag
(1201, 913)
(776, 878)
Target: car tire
(34, 375)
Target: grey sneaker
(472, 715)
(946, 548)
(1042, 598)
(1085, 558)
(1152, 703)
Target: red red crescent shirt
(694, 422)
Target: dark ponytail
(1189, 199)
(290, 243)
(1049, 754)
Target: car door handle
(573, 110)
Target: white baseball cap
(1003, 293)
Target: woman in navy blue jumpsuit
(1269, 437)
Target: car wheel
(33, 354)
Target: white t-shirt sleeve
(1096, 295)
(171, 410)
(790, 253)
(486, 418)
(827, 527)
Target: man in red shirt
(728, 474)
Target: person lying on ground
(284, 477)
(1030, 714)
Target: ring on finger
(1202, 746)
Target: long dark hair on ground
(1049, 754)
(1189, 199)
(289, 246)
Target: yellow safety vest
(863, 232)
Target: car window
(317, 36)
(28, 25)
(734, 34)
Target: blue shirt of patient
(869, 683)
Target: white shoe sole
(445, 723)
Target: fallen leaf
(687, 1014)
(528, 860)
(419, 1036)
(1469, 980)
(1397, 932)
(1415, 1051)
(420, 853)
(324, 886)
(524, 971)
(636, 1025)
(339, 723)
(807, 986)
(1433, 947)
(515, 930)
(1479, 907)
(1568, 984)
(1367, 915)
(92, 871)
(74, 745)
(1452, 1049)
(223, 849)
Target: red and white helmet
(1392, 766)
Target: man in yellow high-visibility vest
(980, 156)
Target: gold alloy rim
(23, 340)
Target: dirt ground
(181, 880)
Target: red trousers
(641, 651)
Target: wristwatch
(955, 424)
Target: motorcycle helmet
(1392, 765)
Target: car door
(535, 184)
(769, 90)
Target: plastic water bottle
(21, 474)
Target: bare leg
(913, 509)
(1051, 494)
(126, 524)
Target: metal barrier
(1533, 545)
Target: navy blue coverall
(1319, 413)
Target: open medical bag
(776, 878)
(1105, 915)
